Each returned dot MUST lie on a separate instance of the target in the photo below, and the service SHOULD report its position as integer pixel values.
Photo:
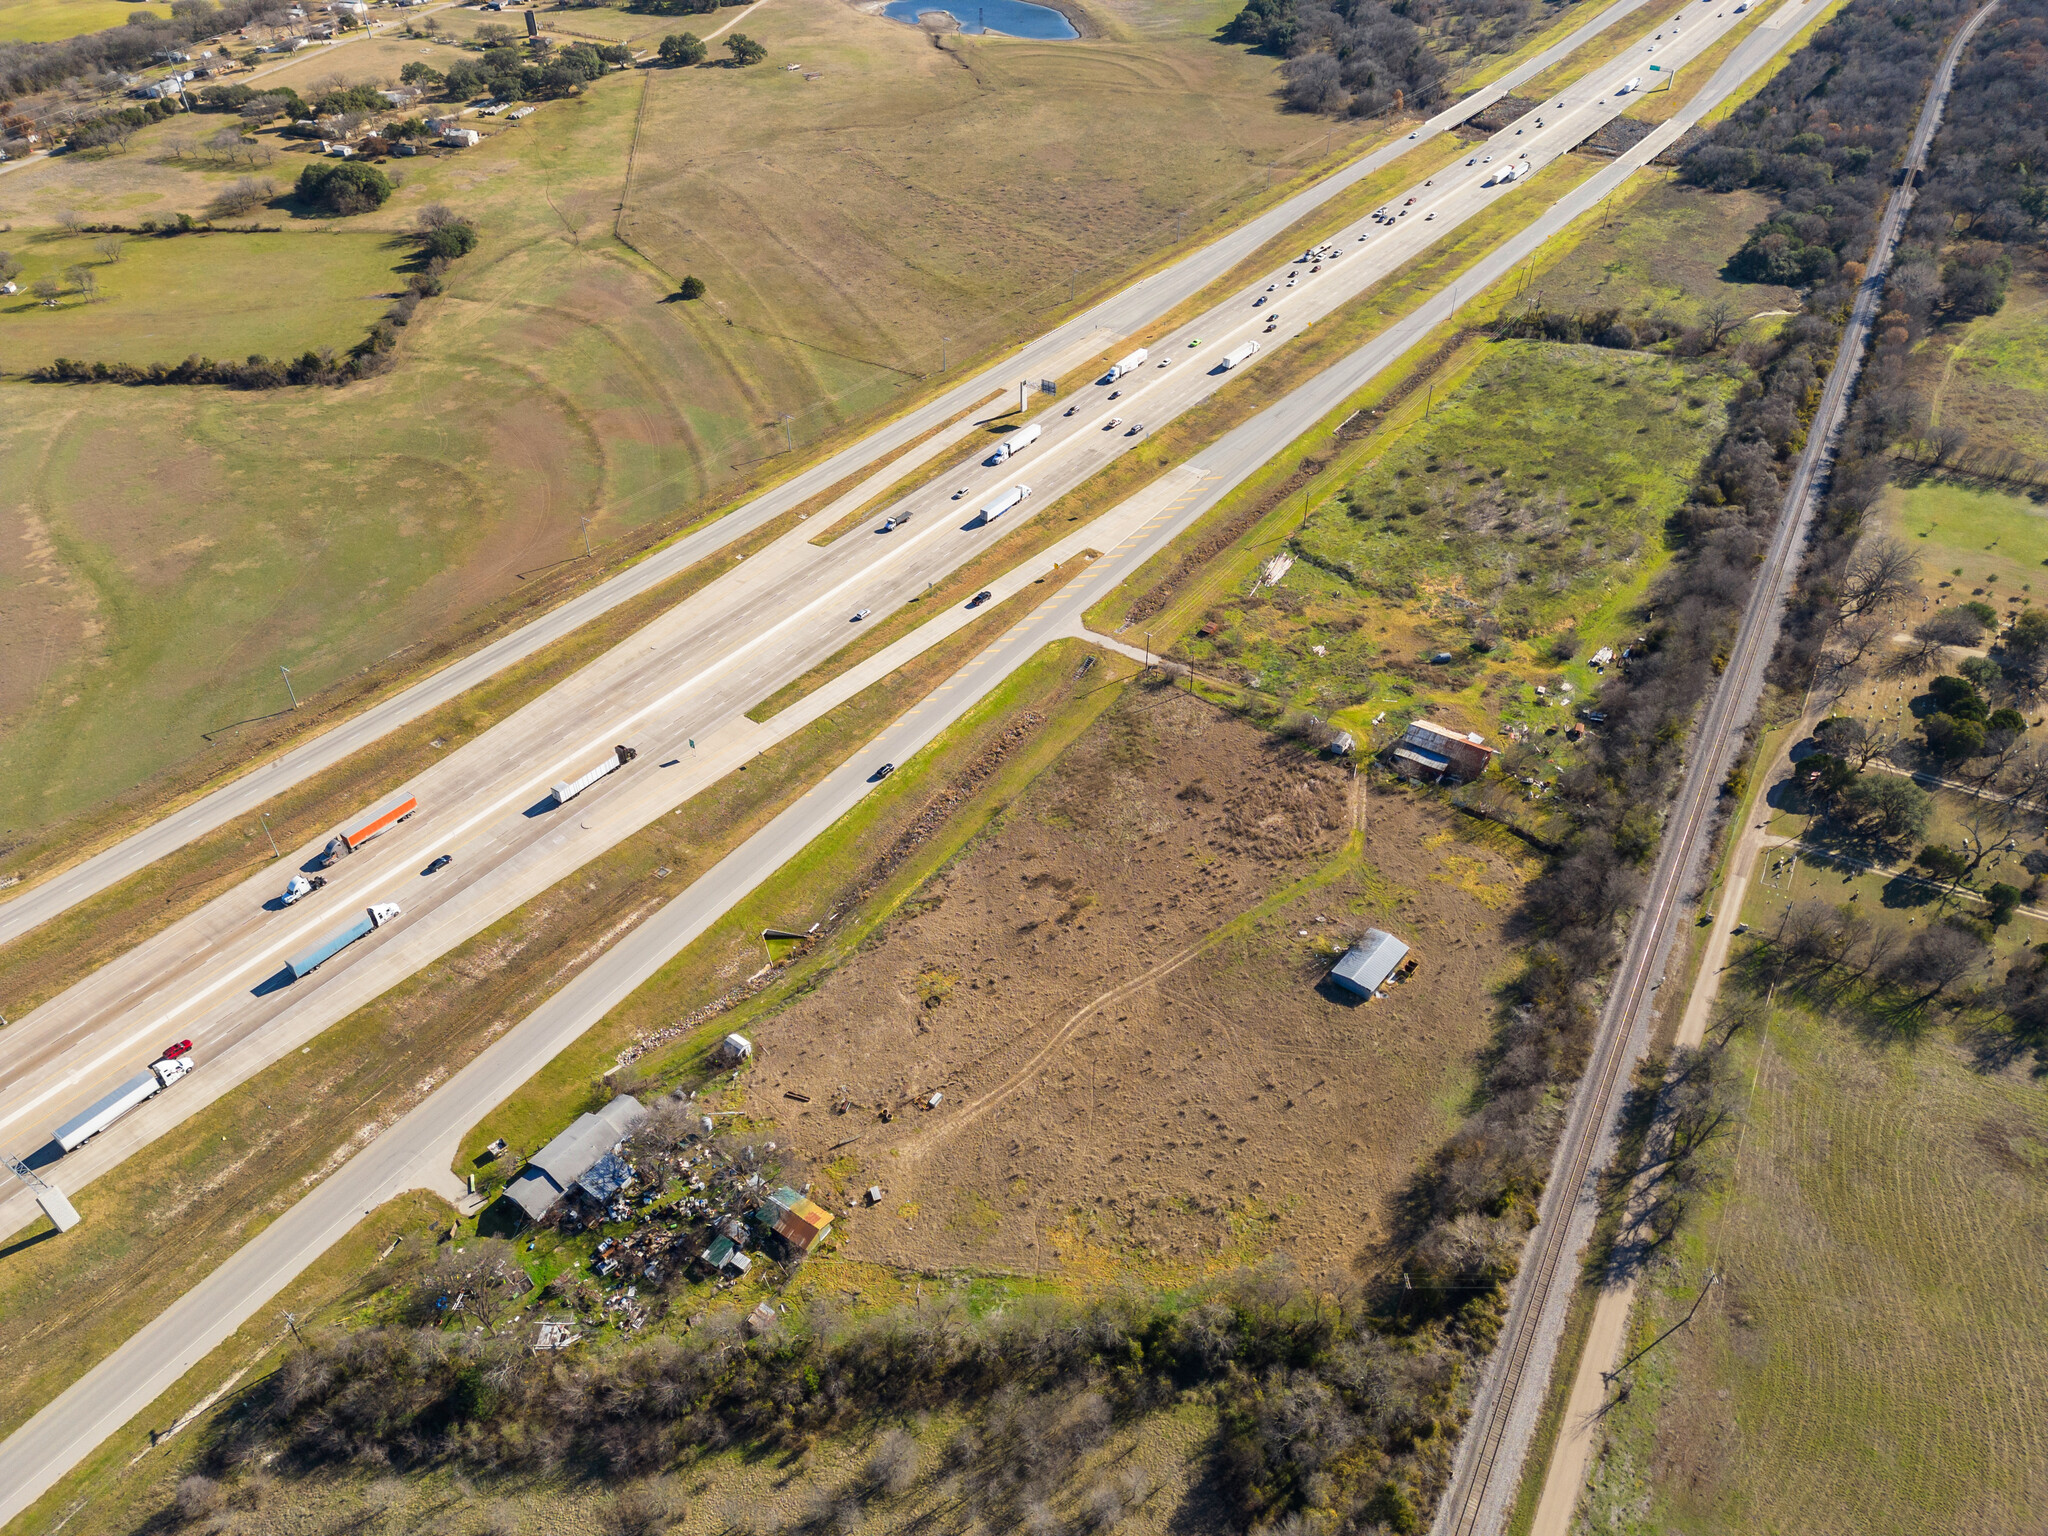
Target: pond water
(1012, 18)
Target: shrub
(240, 196)
(450, 240)
(343, 186)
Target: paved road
(1067, 346)
(214, 977)
(1487, 1471)
(418, 1151)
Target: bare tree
(1880, 573)
(84, 279)
(434, 216)
(48, 290)
(1718, 320)
(1937, 633)
(71, 219)
(109, 246)
(1935, 960)
(480, 1279)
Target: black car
(439, 864)
(883, 772)
(979, 598)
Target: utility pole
(1148, 650)
(292, 1323)
(586, 536)
(287, 671)
(942, 352)
(1023, 392)
(788, 442)
(273, 841)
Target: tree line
(1320, 1406)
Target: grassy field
(49, 21)
(1872, 1361)
(1990, 377)
(1658, 250)
(1972, 542)
(160, 300)
(1532, 497)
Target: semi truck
(1004, 502)
(1017, 442)
(310, 959)
(1124, 365)
(89, 1122)
(300, 888)
(1238, 355)
(359, 832)
(1508, 173)
(569, 789)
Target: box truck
(310, 959)
(1017, 442)
(1238, 355)
(569, 789)
(1004, 502)
(359, 832)
(89, 1122)
(1632, 83)
(1124, 365)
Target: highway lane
(1486, 1473)
(1066, 346)
(418, 1150)
(213, 977)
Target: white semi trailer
(1018, 441)
(1004, 502)
(140, 1088)
(1241, 354)
(569, 789)
(1124, 365)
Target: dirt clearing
(1117, 993)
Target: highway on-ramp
(418, 1150)
(1058, 351)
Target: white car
(861, 615)
(1112, 424)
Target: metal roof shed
(1365, 966)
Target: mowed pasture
(1974, 542)
(178, 545)
(161, 299)
(49, 21)
(1871, 1362)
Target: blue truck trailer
(310, 959)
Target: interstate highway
(1094, 331)
(213, 976)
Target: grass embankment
(1851, 1372)
(210, 1183)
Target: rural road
(418, 1150)
(1487, 1471)
(688, 677)
(1093, 332)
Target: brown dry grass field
(1117, 990)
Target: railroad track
(1485, 1476)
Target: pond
(1010, 18)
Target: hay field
(1873, 1363)
(49, 21)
